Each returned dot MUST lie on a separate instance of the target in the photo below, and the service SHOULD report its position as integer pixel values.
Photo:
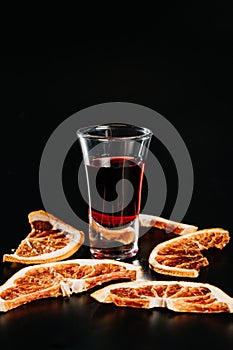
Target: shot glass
(114, 156)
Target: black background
(178, 63)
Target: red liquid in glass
(104, 175)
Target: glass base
(117, 243)
(117, 253)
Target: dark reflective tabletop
(82, 322)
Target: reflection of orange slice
(50, 239)
(174, 295)
(181, 256)
(125, 235)
(62, 279)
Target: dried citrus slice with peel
(181, 256)
(62, 279)
(174, 295)
(178, 228)
(50, 239)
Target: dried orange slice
(50, 239)
(174, 295)
(178, 228)
(62, 279)
(181, 256)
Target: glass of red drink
(114, 156)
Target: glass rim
(84, 132)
